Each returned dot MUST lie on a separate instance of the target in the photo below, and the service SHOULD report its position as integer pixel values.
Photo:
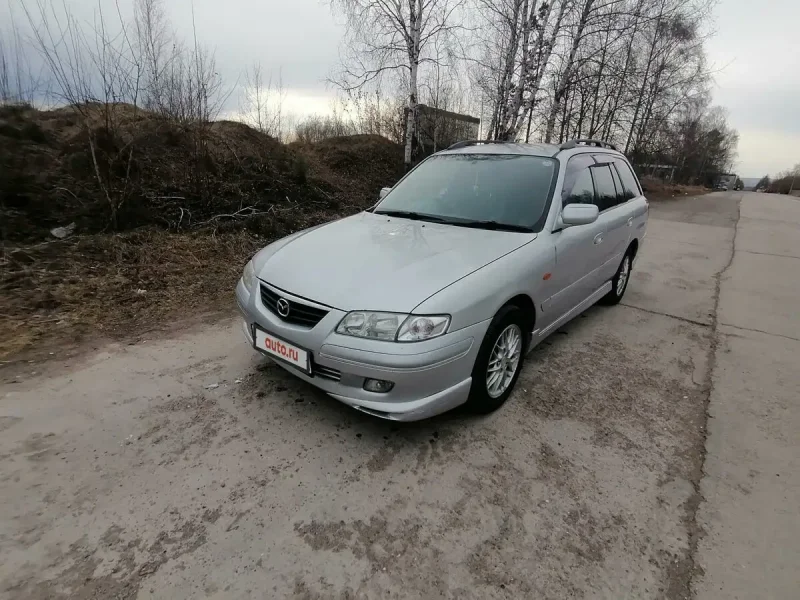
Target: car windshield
(502, 191)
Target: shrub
(33, 132)
(300, 169)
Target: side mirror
(579, 214)
(383, 193)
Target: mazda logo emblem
(283, 307)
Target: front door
(580, 253)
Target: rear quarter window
(629, 182)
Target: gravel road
(190, 467)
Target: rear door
(636, 203)
(614, 217)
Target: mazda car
(432, 298)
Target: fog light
(378, 385)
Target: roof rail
(575, 143)
(465, 143)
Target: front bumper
(429, 377)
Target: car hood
(375, 262)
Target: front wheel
(620, 281)
(499, 361)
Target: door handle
(630, 221)
(598, 239)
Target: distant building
(437, 129)
(663, 172)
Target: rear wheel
(620, 281)
(499, 361)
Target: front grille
(299, 314)
(326, 372)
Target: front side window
(578, 187)
(582, 191)
(498, 190)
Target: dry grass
(656, 189)
(112, 286)
(201, 198)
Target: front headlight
(393, 327)
(249, 276)
(375, 325)
(423, 327)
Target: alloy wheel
(503, 361)
(624, 273)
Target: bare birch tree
(261, 102)
(516, 54)
(586, 8)
(387, 36)
(536, 68)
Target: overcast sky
(298, 38)
(757, 47)
(756, 50)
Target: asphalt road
(650, 450)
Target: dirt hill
(165, 215)
(117, 168)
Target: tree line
(631, 72)
(784, 182)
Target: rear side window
(629, 183)
(578, 186)
(604, 187)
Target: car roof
(548, 150)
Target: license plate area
(281, 349)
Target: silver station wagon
(432, 298)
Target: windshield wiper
(493, 225)
(408, 214)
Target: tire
(618, 284)
(483, 398)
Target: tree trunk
(415, 24)
(530, 120)
(581, 113)
(563, 82)
(620, 88)
(566, 117)
(649, 64)
(545, 50)
(512, 112)
(595, 118)
(504, 91)
(645, 121)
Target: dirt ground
(189, 467)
